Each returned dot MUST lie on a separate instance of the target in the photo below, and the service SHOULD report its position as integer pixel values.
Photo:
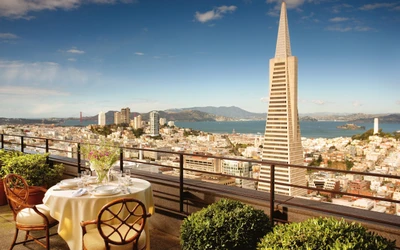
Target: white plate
(92, 179)
(106, 189)
(115, 191)
(69, 183)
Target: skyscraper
(102, 118)
(154, 123)
(117, 117)
(282, 140)
(125, 115)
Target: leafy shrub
(226, 224)
(324, 233)
(34, 168)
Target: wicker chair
(120, 224)
(27, 217)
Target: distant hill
(392, 118)
(231, 112)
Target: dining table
(71, 208)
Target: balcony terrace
(176, 197)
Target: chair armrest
(43, 189)
(85, 223)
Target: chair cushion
(29, 217)
(93, 240)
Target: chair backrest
(122, 221)
(17, 192)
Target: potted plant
(323, 233)
(226, 224)
(35, 169)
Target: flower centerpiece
(101, 157)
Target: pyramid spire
(283, 41)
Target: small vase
(102, 176)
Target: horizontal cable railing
(19, 142)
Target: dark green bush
(324, 233)
(34, 168)
(226, 224)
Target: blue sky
(62, 57)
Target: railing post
(272, 193)
(2, 141)
(22, 144)
(181, 198)
(47, 145)
(78, 157)
(121, 159)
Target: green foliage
(34, 168)
(370, 132)
(324, 233)
(138, 132)
(226, 224)
(316, 162)
(349, 164)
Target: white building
(137, 122)
(163, 121)
(154, 123)
(282, 140)
(102, 118)
(238, 168)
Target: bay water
(319, 129)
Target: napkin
(79, 192)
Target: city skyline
(65, 57)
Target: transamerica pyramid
(282, 140)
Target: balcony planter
(324, 233)
(226, 224)
(34, 168)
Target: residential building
(125, 115)
(137, 122)
(117, 117)
(154, 123)
(102, 119)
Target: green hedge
(324, 233)
(226, 224)
(34, 168)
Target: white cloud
(16, 9)
(398, 102)
(139, 53)
(349, 28)
(7, 36)
(338, 19)
(339, 8)
(71, 59)
(40, 74)
(290, 4)
(377, 6)
(216, 13)
(264, 99)
(357, 104)
(23, 90)
(318, 102)
(75, 51)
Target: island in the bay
(351, 126)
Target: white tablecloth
(70, 211)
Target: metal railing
(22, 145)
